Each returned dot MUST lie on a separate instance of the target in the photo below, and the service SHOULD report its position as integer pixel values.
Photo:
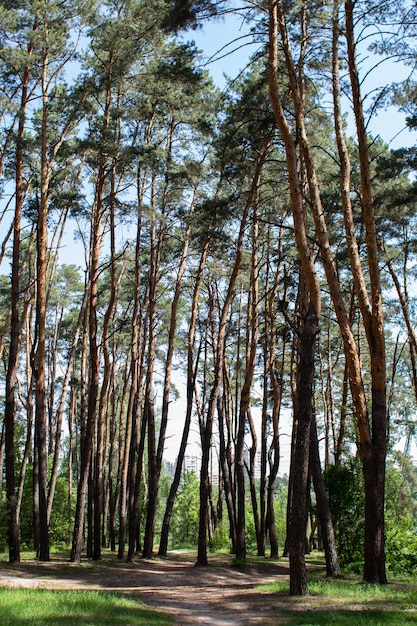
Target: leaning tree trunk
(373, 434)
(311, 300)
(207, 427)
(323, 509)
(151, 512)
(191, 376)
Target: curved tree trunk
(309, 291)
(373, 436)
(191, 376)
(323, 510)
(207, 427)
(151, 512)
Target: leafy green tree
(401, 516)
(346, 498)
(186, 511)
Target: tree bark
(309, 291)
(207, 427)
(192, 363)
(323, 510)
(244, 407)
(151, 511)
(13, 533)
(307, 329)
(94, 367)
(373, 442)
(149, 407)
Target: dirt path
(219, 595)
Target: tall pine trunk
(323, 509)
(207, 426)
(373, 431)
(309, 297)
(192, 363)
(13, 533)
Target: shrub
(346, 500)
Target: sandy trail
(217, 595)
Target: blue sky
(227, 48)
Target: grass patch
(359, 618)
(347, 601)
(39, 607)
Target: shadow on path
(217, 595)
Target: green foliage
(220, 539)
(37, 607)
(280, 510)
(401, 548)
(187, 13)
(346, 500)
(184, 527)
(164, 487)
(400, 520)
(250, 530)
(62, 515)
(60, 528)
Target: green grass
(358, 618)
(348, 601)
(38, 607)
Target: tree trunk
(61, 404)
(373, 437)
(149, 407)
(244, 408)
(88, 438)
(303, 415)
(99, 462)
(273, 454)
(309, 289)
(226, 471)
(13, 533)
(129, 487)
(207, 428)
(151, 511)
(323, 510)
(372, 446)
(27, 315)
(40, 354)
(192, 363)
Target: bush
(400, 523)
(184, 526)
(347, 503)
(221, 539)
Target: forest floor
(218, 595)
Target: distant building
(257, 461)
(191, 464)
